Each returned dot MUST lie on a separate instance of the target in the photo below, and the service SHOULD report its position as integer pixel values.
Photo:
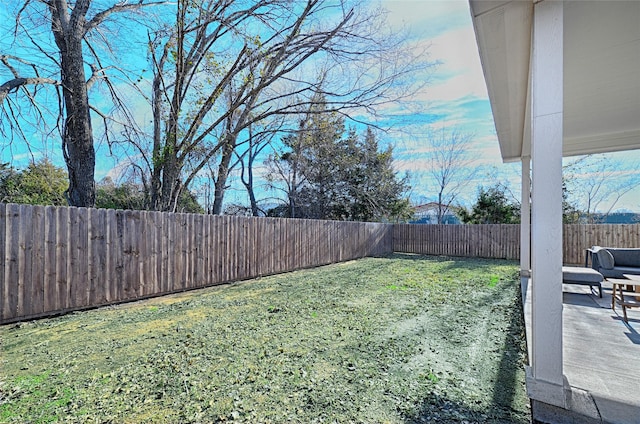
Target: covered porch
(600, 366)
(564, 79)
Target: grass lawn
(400, 339)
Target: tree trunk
(170, 188)
(223, 174)
(77, 137)
(440, 211)
(252, 152)
(156, 158)
(170, 163)
(255, 211)
(293, 194)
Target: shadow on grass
(436, 408)
(505, 388)
(439, 409)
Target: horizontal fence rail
(58, 259)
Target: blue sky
(455, 97)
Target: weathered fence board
(12, 274)
(486, 241)
(3, 245)
(37, 262)
(583, 236)
(55, 260)
(503, 240)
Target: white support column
(546, 209)
(525, 218)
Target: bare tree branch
(70, 27)
(16, 83)
(451, 166)
(123, 6)
(262, 74)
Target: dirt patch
(402, 339)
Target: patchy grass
(402, 339)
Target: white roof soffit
(601, 76)
(601, 73)
(503, 34)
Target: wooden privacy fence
(482, 241)
(578, 237)
(54, 260)
(61, 259)
(503, 241)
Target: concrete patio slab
(601, 359)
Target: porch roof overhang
(601, 73)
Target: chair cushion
(579, 274)
(625, 257)
(627, 270)
(605, 258)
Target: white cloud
(455, 98)
(460, 73)
(445, 26)
(427, 18)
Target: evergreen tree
(133, 196)
(110, 195)
(41, 183)
(491, 207)
(329, 175)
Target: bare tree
(224, 65)
(286, 173)
(450, 166)
(596, 180)
(61, 65)
(257, 143)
